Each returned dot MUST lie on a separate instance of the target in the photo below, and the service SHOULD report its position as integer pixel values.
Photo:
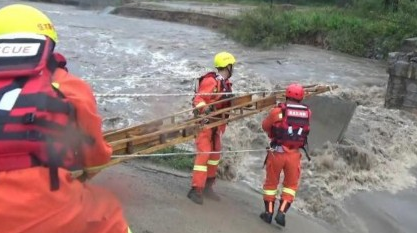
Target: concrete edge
(135, 10)
(186, 17)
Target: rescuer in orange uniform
(287, 125)
(49, 125)
(209, 140)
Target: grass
(258, 2)
(179, 162)
(363, 29)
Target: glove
(86, 175)
(227, 96)
(204, 110)
(207, 110)
(195, 112)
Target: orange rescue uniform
(289, 160)
(28, 205)
(209, 140)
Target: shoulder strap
(208, 75)
(201, 78)
(283, 107)
(9, 95)
(52, 64)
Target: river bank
(128, 55)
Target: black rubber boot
(282, 209)
(196, 195)
(269, 212)
(280, 218)
(267, 217)
(208, 190)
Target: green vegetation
(362, 28)
(179, 162)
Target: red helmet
(295, 91)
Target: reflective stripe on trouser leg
(284, 206)
(289, 191)
(270, 192)
(273, 167)
(199, 176)
(200, 168)
(203, 144)
(269, 206)
(292, 173)
(287, 197)
(212, 166)
(214, 158)
(213, 162)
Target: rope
(119, 158)
(177, 94)
(265, 92)
(138, 79)
(187, 153)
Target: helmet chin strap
(230, 70)
(52, 45)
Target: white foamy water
(377, 153)
(128, 56)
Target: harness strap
(52, 64)
(267, 155)
(44, 102)
(228, 91)
(306, 150)
(30, 118)
(213, 136)
(17, 83)
(55, 160)
(30, 135)
(307, 155)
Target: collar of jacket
(220, 77)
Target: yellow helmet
(19, 18)
(223, 59)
